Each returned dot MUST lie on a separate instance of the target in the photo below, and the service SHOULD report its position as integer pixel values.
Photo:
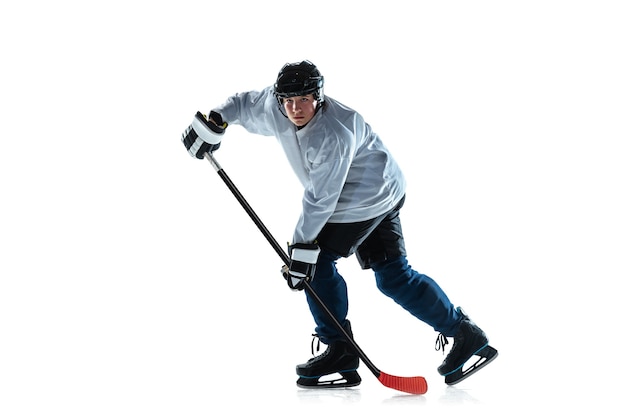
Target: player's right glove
(204, 135)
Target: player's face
(300, 109)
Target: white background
(132, 282)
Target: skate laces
(440, 343)
(313, 349)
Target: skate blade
(486, 355)
(345, 379)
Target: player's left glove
(204, 135)
(303, 258)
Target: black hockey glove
(204, 135)
(301, 265)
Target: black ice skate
(469, 341)
(335, 368)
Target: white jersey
(347, 173)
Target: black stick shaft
(285, 258)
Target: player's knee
(390, 274)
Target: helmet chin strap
(281, 107)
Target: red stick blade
(412, 385)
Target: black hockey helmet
(299, 79)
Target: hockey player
(353, 193)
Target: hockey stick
(411, 385)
